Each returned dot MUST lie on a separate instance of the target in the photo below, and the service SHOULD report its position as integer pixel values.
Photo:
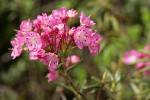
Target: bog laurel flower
(140, 59)
(72, 13)
(49, 38)
(132, 56)
(85, 21)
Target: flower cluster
(49, 37)
(141, 59)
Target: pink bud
(75, 59)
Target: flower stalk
(69, 82)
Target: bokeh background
(123, 24)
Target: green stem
(67, 78)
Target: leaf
(117, 76)
(92, 86)
(96, 79)
(115, 23)
(135, 88)
(134, 32)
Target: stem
(67, 78)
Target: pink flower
(140, 65)
(55, 20)
(72, 13)
(82, 36)
(146, 72)
(96, 38)
(17, 48)
(94, 46)
(51, 60)
(33, 41)
(37, 54)
(75, 59)
(26, 25)
(42, 22)
(61, 14)
(45, 39)
(72, 60)
(132, 56)
(72, 31)
(85, 20)
(21, 36)
(62, 29)
(52, 76)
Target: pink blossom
(51, 60)
(52, 76)
(132, 56)
(43, 19)
(72, 60)
(96, 38)
(42, 22)
(75, 59)
(147, 72)
(33, 41)
(37, 54)
(26, 25)
(140, 65)
(85, 20)
(143, 65)
(62, 29)
(45, 39)
(72, 13)
(17, 48)
(55, 20)
(72, 31)
(61, 14)
(20, 35)
(82, 36)
(94, 46)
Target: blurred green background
(123, 24)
